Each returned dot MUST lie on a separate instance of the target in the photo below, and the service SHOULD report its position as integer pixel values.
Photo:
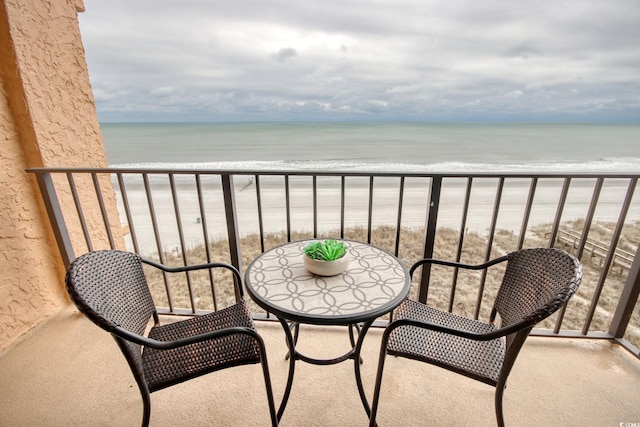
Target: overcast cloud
(365, 60)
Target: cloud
(363, 60)
(284, 54)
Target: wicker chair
(110, 288)
(536, 283)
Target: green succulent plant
(326, 250)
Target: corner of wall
(47, 118)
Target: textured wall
(47, 118)
(53, 71)
(28, 291)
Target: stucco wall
(28, 291)
(47, 118)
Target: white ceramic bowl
(326, 268)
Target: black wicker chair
(110, 288)
(536, 283)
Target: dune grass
(465, 299)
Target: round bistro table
(374, 283)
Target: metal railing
(182, 216)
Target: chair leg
(267, 381)
(146, 407)
(138, 375)
(499, 393)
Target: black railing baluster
(627, 303)
(342, 198)
(79, 211)
(463, 226)
(183, 248)
(103, 210)
(430, 235)
(559, 211)
(127, 211)
(56, 217)
(156, 233)
(260, 216)
(399, 220)
(287, 203)
(527, 212)
(492, 233)
(370, 210)
(205, 235)
(589, 218)
(315, 206)
(231, 212)
(554, 235)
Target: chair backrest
(110, 288)
(536, 283)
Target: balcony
(69, 372)
(587, 354)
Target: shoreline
(385, 207)
(530, 148)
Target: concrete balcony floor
(69, 372)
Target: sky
(364, 60)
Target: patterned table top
(374, 283)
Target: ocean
(421, 147)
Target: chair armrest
(168, 345)
(498, 333)
(457, 264)
(234, 271)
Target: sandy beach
(356, 205)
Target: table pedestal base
(353, 353)
(295, 326)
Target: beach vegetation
(461, 300)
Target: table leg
(296, 328)
(352, 339)
(299, 356)
(292, 365)
(293, 355)
(357, 361)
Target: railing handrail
(333, 172)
